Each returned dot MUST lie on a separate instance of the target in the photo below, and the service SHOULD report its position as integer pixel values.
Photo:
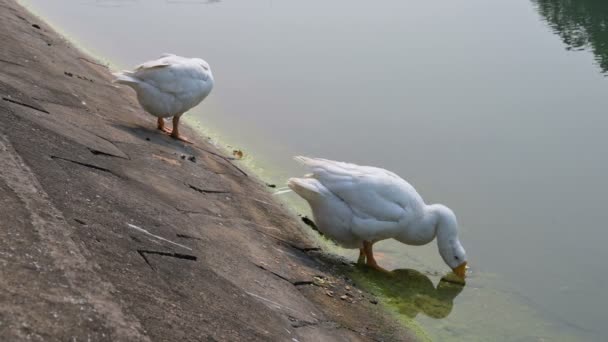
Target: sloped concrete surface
(112, 231)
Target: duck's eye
(457, 258)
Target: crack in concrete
(303, 282)
(97, 153)
(185, 236)
(182, 256)
(207, 191)
(7, 99)
(109, 141)
(10, 62)
(274, 273)
(80, 221)
(280, 276)
(99, 168)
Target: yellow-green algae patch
(439, 309)
(407, 293)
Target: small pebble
(330, 293)
(344, 297)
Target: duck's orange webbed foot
(180, 138)
(371, 261)
(161, 126)
(377, 267)
(175, 134)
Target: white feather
(169, 86)
(353, 203)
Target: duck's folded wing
(372, 193)
(166, 59)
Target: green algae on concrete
(486, 314)
(407, 293)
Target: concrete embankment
(112, 231)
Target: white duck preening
(169, 86)
(357, 206)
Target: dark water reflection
(581, 24)
(412, 292)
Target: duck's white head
(450, 248)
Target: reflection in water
(581, 24)
(412, 292)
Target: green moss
(476, 311)
(408, 293)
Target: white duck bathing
(169, 86)
(357, 206)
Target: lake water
(494, 108)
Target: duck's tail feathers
(308, 188)
(306, 161)
(125, 77)
(313, 163)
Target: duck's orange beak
(461, 270)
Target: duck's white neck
(446, 231)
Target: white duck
(169, 86)
(359, 205)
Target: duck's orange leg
(371, 262)
(175, 133)
(161, 125)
